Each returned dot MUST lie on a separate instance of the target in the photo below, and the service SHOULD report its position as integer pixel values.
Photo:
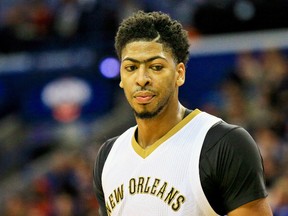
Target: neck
(151, 130)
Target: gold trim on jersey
(148, 150)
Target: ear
(121, 84)
(181, 70)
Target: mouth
(144, 97)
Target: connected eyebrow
(144, 61)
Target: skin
(151, 78)
(258, 207)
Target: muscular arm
(258, 207)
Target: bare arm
(258, 207)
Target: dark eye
(130, 68)
(156, 67)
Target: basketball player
(175, 161)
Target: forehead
(142, 50)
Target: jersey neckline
(144, 153)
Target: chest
(166, 182)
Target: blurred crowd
(254, 95)
(65, 190)
(29, 25)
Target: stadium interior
(60, 96)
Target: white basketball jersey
(163, 179)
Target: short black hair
(148, 26)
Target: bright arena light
(109, 67)
(244, 10)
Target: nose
(143, 78)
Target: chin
(145, 115)
(148, 114)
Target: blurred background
(60, 100)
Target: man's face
(150, 77)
